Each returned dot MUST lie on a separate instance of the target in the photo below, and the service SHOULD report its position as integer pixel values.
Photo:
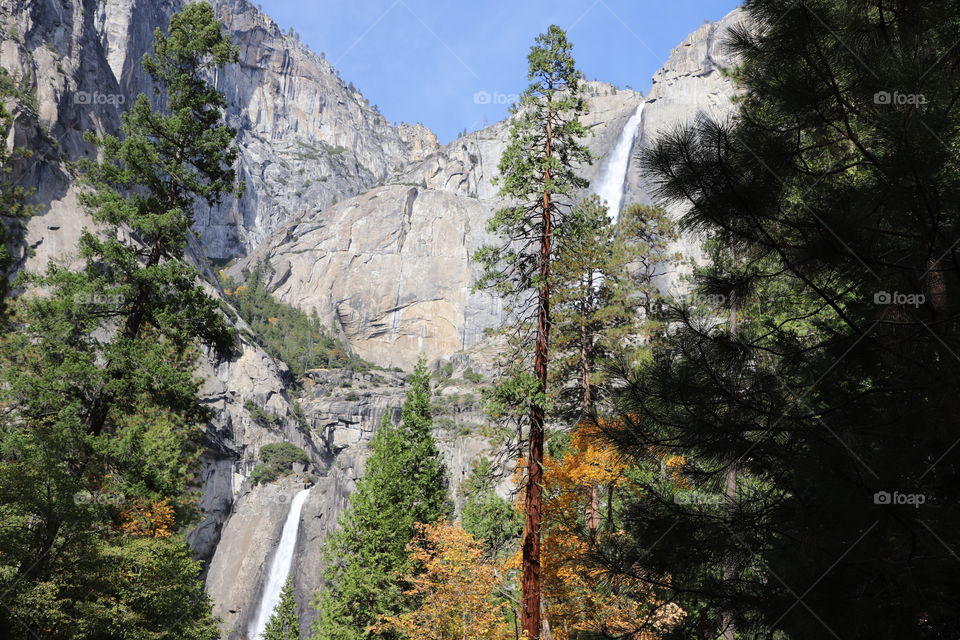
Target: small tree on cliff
(538, 174)
(284, 624)
(404, 485)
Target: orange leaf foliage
(579, 594)
(155, 520)
(454, 587)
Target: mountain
(370, 225)
(391, 268)
(306, 138)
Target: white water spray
(279, 568)
(610, 182)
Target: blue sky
(456, 65)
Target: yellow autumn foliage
(580, 594)
(155, 520)
(454, 585)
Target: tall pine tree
(103, 421)
(605, 294)
(832, 200)
(538, 175)
(404, 485)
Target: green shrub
(472, 376)
(261, 416)
(283, 454)
(277, 460)
(264, 473)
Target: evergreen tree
(538, 175)
(13, 197)
(832, 205)
(283, 623)
(485, 515)
(404, 485)
(103, 421)
(605, 294)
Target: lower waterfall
(610, 182)
(279, 568)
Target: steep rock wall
(690, 84)
(392, 269)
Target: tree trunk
(729, 566)
(586, 366)
(531, 578)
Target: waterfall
(613, 174)
(279, 568)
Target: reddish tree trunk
(531, 579)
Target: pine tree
(605, 294)
(832, 204)
(485, 515)
(283, 623)
(538, 173)
(404, 485)
(103, 418)
(13, 206)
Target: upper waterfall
(279, 568)
(609, 183)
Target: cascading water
(279, 568)
(609, 184)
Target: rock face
(235, 580)
(306, 139)
(690, 84)
(391, 268)
(240, 391)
